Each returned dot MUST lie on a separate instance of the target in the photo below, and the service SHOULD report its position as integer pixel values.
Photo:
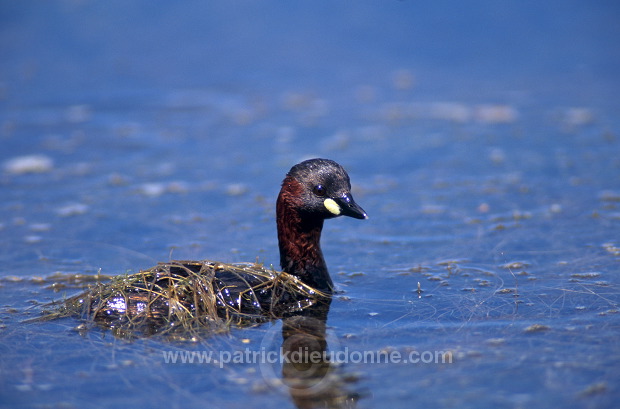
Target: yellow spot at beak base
(332, 206)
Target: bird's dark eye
(319, 190)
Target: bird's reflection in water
(312, 380)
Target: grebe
(203, 291)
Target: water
(482, 140)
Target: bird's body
(208, 291)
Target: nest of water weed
(185, 299)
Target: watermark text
(345, 356)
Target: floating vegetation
(184, 298)
(594, 389)
(58, 280)
(611, 248)
(495, 342)
(515, 265)
(29, 164)
(506, 291)
(587, 275)
(536, 328)
(609, 196)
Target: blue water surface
(482, 138)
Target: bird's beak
(348, 207)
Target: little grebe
(312, 191)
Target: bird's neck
(299, 239)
